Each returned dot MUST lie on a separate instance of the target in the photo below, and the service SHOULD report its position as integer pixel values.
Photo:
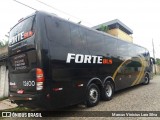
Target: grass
(18, 109)
(3, 98)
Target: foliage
(158, 61)
(103, 28)
(3, 43)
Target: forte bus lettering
(20, 36)
(80, 58)
(16, 38)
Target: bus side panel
(63, 76)
(133, 67)
(127, 66)
(64, 38)
(43, 46)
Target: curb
(6, 104)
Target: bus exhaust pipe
(12, 101)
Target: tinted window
(22, 27)
(95, 43)
(132, 50)
(83, 34)
(141, 51)
(78, 43)
(110, 46)
(147, 54)
(58, 33)
(122, 48)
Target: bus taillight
(39, 79)
(27, 34)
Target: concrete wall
(113, 32)
(120, 34)
(4, 86)
(157, 69)
(4, 50)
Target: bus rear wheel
(107, 91)
(93, 95)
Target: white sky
(142, 16)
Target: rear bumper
(28, 100)
(25, 97)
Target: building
(3, 51)
(117, 29)
(4, 87)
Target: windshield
(21, 31)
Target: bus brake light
(28, 34)
(39, 78)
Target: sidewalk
(6, 104)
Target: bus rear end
(26, 78)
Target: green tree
(3, 43)
(103, 28)
(158, 61)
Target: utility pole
(154, 56)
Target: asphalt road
(137, 98)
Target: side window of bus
(141, 51)
(83, 34)
(122, 48)
(58, 33)
(110, 46)
(95, 43)
(147, 55)
(132, 50)
(78, 44)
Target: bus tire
(108, 91)
(146, 80)
(93, 95)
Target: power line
(25, 5)
(52, 8)
(61, 11)
(56, 9)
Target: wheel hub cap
(108, 90)
(93, 95)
